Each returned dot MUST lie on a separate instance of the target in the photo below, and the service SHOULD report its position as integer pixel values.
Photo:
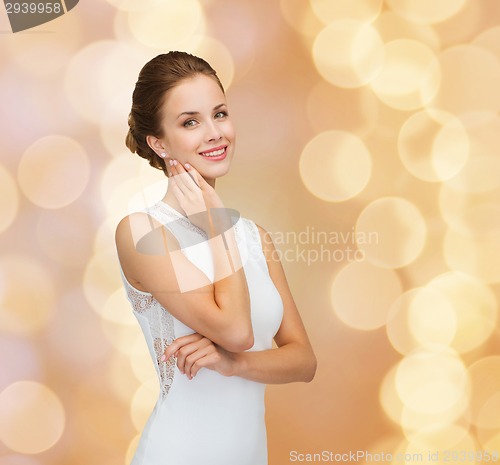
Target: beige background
(362, 125)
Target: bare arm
(293, 360)
(151, 259)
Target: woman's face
(197, 126)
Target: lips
(215, 154)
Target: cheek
(229, 130)
(185, 141)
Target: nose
(213, 131)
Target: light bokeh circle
(134, 5)
(361, 10)
(400, 230)
(219, 57)
(143, 402)
(445, 437)
(489, 40)
(487, 416)
(479, 174)
(431, 382)
(27, 295)
(167, 24)
(301, 18)
(388, 396)
(392, 26)
(54, 171)
(413, 421)
(431, 319)
(475, 305)
(427, 12)
(348, 53)
(476, 255)
(140, 361)
(485, 380)
(119, 326)
(9, 199)
(101, 278)
(433, 145)
(335, 165)
(32, 417)
(469, 81)
(100, 79)
(362, 295)
(407, 328)
(120, 376)
(409, 77)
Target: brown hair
(156, 78)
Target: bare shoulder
(139, 221)
(140, 232)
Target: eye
(221, 114)
(189, 123)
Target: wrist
(239, 364)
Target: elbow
(240, 343)
(238, 340)
(310, 369)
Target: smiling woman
(204, 283)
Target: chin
(215, 172)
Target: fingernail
(187, 165)
(171, 162)
(175, 162)
(163, 358)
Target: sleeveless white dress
(211, 419)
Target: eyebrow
(192, 113)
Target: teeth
(214, 154)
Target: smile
(216, 154)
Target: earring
(163, 155)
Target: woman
(204, 284)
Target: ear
(156, 144)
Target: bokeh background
(368, 140)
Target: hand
(195, 351)
(196, 197)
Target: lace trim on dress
(161, 325)
(164, 213)
(141, 301)
(166, 368)
(254, 231)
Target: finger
(184, 179)
(182, 355)
(179, 343)
(204, 362)
(176, 190)
(194, 357)
(185, 355)
(197, 177)
(192, 173)
(179, 175)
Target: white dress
(211, 419)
